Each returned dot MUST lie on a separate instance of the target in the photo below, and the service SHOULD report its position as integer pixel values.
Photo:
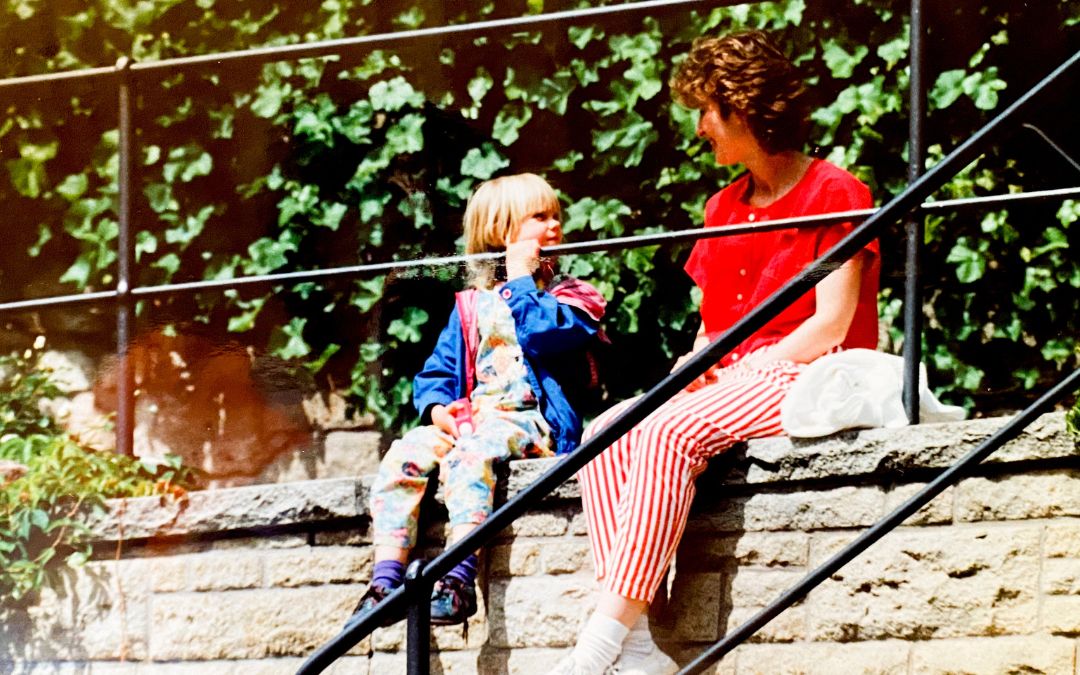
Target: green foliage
(371, 157)
(42, 510)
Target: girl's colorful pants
(467, 468)
(637, 493)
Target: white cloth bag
(856, 388)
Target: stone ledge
(767, 461)
(254, 507)
(877, 451)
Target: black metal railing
(127, 76)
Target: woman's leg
(670, 451)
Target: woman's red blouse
(739, 272)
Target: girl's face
(544, 226)
(731, 138)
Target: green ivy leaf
(407, 328)
(368, 293)
(508, 123)
(393, 95)
(970, 262)
(947, 88)
(841, 63)
(483, 162)
(287, 342)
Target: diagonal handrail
(855, 241)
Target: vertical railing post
(125, 307)
(418, 630)
(914, 226)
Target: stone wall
(985, 579)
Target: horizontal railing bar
(616, 243)
(944, 480)
(88, 74)
(742, 329)
(57, 301)
(341, 46)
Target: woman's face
(730, 138)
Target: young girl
(494, 389)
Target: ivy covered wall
(322, 162)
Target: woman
(637, 494)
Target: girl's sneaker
(374, 594)
(452, 601)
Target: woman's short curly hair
(747, 74)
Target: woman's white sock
(599, 643)
(639, 640)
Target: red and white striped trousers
(637, 493)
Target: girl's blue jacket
(549, 332)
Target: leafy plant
(57, 482)
(368, 158)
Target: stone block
(889, 657)
(520, 558)
(520, 661)
(443, 638)
(1061, 614)
(788, 627)
(524, 472)
(998, 656)
(342, 454)
(222, 571)
(257, 543)
(692, 611)
(757, 588)
(539, 611)
(805, 510)
(96, 612)
(249, 624)
(540, 524)
(1063, 539)
(567, 557)
(932, 583)
(1061, 576)
(938, 511)
(1048, 494)
(358, 535)
(752, 549)
(318, 565)
(169, 575)
(286, 666)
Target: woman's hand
(706, 378)
(522, 258)
(442, 416)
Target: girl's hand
(522, 258)
(442, 416)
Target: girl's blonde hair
(494, 215)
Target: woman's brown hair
(747, 74)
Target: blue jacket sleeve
(441, 381)
(545, 325)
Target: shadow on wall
(220, 407)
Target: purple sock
(465, 571)
(388, 574)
